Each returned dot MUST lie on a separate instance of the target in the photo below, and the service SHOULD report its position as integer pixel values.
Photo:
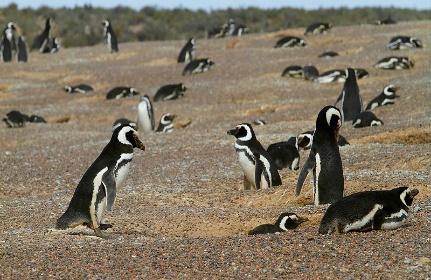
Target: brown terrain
(181, 213)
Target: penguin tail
(64, 221)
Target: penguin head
(243, 132)
(407, 195)
(302, 43)
(350, 74)
(126, 134)
(106, 23)
(167, 118)
(133, 91)
(182, 87)
(390, 91)
(304, 140)
(11, 25)
(329, 118)
(361, 73)
(210, 62)
(123, 121)
(289, 221)
(68, 89)
(416, 42)
(145, 98)
(192, 41)
(376, 122)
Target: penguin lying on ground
(385, 21)
(285, 154)
(290, 42)
(350, 99)
(121, 92)
(324, 159)
(386, 97)
(394, 63)
(81, 88)
(109, 36)
(310, 72)
(198, 66)
(170, 92)
(51, 45)
(146, 121)
(318, 28)
(329, 54)
(123, 121)
(366, 118)
(16, 119)
(254, 160)
(166, 124)
(305, 139)
(404, 42)
(97, 189)
(339, 75)
(186, 53)
(293, 71)
(371, 210)
(284, 222)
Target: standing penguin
(96, 191)
(387, 96)
(43, 38)
(324, 159)
(186, 54)
(351, 101)
(146, 121)
(6, 45)
(371, 210)
(166, 123)
(255, 161)
(109, 36)
(21, 54)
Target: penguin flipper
(309, 165)
(108, 181)
(258, 171)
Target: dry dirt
(181, 213)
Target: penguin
(218, 32)
(386, 97)
(81, 88)
(231, 26)
(170, 92)
(259, 122)
(123, 121)
(146, 121)
(404, 42)
(97, 189)
(290, 42)
(336, 75)
(21, 54)
(121, 92)
(293, 71)
(166, 123)
(5, 47)
(240, 30)
(305, 139)
(310, 72)
(36, 119)
(248, 149)
(388, 20)
(198, 66)
(369, 210)
(186, 53)
(394, 63)
(285, 154)
(42, 39)
(350, 99)
(284, 222)
(361, 73)
(366, 118)
(52, 45)
(329, 54)
(318, 28)
(15, 119)
(109, 36)
(324, 159)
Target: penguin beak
(233, 131)
(138, 143)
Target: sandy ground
(181, 213)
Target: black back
(43, 37)
(283, 153)
(169, 92)
(281, 42)
(293, 68)
(21, 50)
(187, 49)
(310, 72)
(6, 49)
(366, 117)
(351, 101)
(120, 92)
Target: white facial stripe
(316, 181)
(386, 90)
(365, 220)
(248, 136)
(122, 135)
(358, 121)
(283, 223)
(376, 123)
(164, 121)
(97, 181)
(330, 113)
(294, 163)
(403, 196)
(267, 168)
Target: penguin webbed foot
(99, 234)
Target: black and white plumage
(52, 45)
(123, 121)
(7, 43)
(186, 53)
(284, 222)
(361, 73)
(36, 119)
(404, 42)
(305, 139)
(318, 28)
(329, 54)
(324, 159)
(121, 92)
(290, 42)
(248, 148)
(259, 122)
(170, 92)
(97, 189)
(365, 119)
(218, 32)
(240, 30)
(15, 119)
(370, 210)
(310, 72)
(336, 75)
(388, 20)
(109, 36)
(394, 63)
(41, 40)
(350, 99)
(198, 66)
(285, 154)
(386, 97)
(146, 122)
(166, 123)
(294, 71)
(81, 88)
(21, 54)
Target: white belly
(122, 174)
(144, 121)
(316, 181)
(101, 207)
(248, 167)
